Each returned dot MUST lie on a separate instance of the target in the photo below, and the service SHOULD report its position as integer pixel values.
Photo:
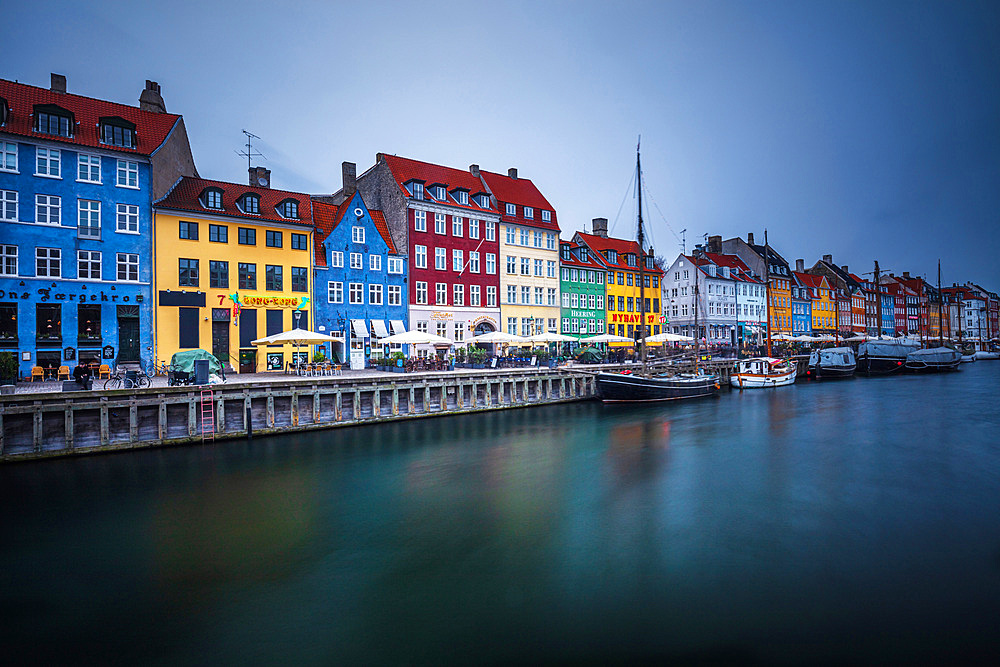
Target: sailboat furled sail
(643, 386)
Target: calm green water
(846, 522)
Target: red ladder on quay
(207, 415)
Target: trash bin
(201, 371)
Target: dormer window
(462, 197)
(546, 216)
(584, 257)
(630, 259)
(250, 203)
(50, 119)
(529, 212)
(4, 111)
(484, 201)
(212, 198)
(439, 193)
(118, 132)
(511, 209)
(612, 256)
(289, 208)
(565, 253)
(416, 189)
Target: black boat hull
(880, 365)
(618, 388)
(832, 372)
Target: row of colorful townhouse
(114, 249)
(734, 306)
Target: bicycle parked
(127, 379)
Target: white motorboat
(759, 372)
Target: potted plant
(478, 358)
(8, 367)
(460, 357)
(319, 356)
(398, 362)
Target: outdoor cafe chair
(104, 372)
(63, 373)
(37, 372)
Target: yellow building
(623, 288)
(529, 255)
(232, 263)
(824, 302)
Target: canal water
(825, 523)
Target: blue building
(801, 309)
(77, 180)
(359, 278)
(887, 311)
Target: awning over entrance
(397, 326)
(378, 328)
(359, 328)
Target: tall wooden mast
(640, 237)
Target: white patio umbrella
(415, 338)
(667, 337)
(856, 339)
(297, 337)
(550, 337)
(498, 337)
(780, 336)
(606, 338)
(824, 338)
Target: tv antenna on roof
(683, 241)
(250, 153)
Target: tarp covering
(895, 349)
(183, 362)
(935, 355)
(590, 355)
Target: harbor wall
(35, 426)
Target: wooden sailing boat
(644, 386)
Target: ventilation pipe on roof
(512, 172)
(800, 265)
(58, 83)
(150, 98)
(474, 170)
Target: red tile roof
(733, 262)
(621, 246)
(521, 192)
(405, 170)
(594, 259)
(185, 196)
(809, 280)
(326, 218)
(151, 128)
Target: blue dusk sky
(868, 130)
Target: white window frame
(127, 219)
(420, 295)
(511, 209)
(441, 294)
(129, 261)
(395, 265)
(8, 156)
(550, 269)
(375, 262)
(356, 293)
(375, 294)
(358, 234)
(475, 295)
(440, 224)
(91, 164)
(539, 267)
(8, 257)
(394, 295)
(440, 259)
(420, 220)
(491, 263)
(456, 226)
(52, 257)
(546, 215)
(457, 260)
(127, 175)
(473, 261)
(357, 260)
(420, 256)
(48, 162)
(491, 230)
(550, 241)
(88, 216)
(491, 296)
(511, 293)
(473, 228)
(458, 294)
(529, 212)
(49, 207)
(552, 296)
(337, 259)
(335, 291)
(91, 259)
(8, 205)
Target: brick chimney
(906, 275)
(846, 270)
(828, 259)
(715, 244)
(474, 170)
(750, 238)
(349, 173)
(58, 83)
(600, 227)
(150, 98)
(800, 265)
(512, 172)
(260, 177)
